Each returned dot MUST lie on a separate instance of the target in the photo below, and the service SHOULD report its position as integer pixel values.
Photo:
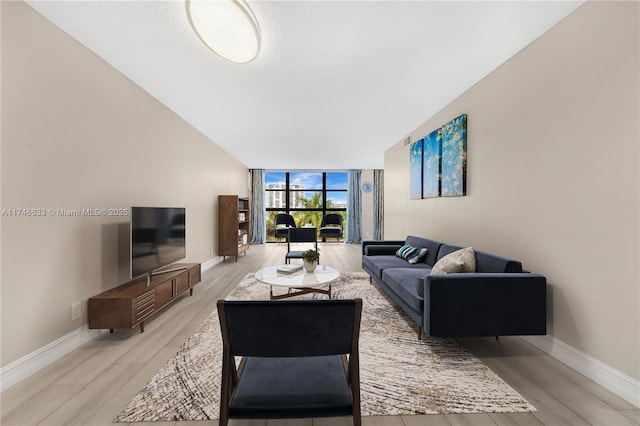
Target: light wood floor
(92, 384)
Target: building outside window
(307, 196)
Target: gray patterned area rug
(399, 374)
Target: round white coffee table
(298, 283)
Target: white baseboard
(617, 382)
(204, 266)
(24, 367)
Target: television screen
(157, 238)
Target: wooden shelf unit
(131, 303)
(233, 226)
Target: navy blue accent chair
(281, 224)
(331, 226)
(300, 359)
(300, 235)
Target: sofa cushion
(411, 254)
(445, 249)
(490, 263)
(376, 264)
(463, 260)
(432, 247)
(408, 284)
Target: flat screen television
(157, 238)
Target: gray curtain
(257, 207)
(378, 204)
(354, 208)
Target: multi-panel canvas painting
(438, 163)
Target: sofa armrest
(485, 304)
(378, 250)
(372, 243)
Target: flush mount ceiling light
(228, 27)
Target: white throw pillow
(463, 260)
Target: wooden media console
(131, 303)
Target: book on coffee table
(289, 269)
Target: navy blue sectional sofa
(498, 299)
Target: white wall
(77, 134)
(553, 160)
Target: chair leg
(228, 378)
(357, 419)
(223, 422)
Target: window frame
(288, 192)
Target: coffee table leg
(293, 291)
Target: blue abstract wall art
(438, 163)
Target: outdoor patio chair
(281, 224)
(331, 226)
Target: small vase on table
(310, 266)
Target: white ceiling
(336, 82)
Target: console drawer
(144, 305)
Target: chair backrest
(332, 219)
(302, 235)
(291, 328)
(284, 219)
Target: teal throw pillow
(411, 254)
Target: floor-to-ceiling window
(307, 196)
